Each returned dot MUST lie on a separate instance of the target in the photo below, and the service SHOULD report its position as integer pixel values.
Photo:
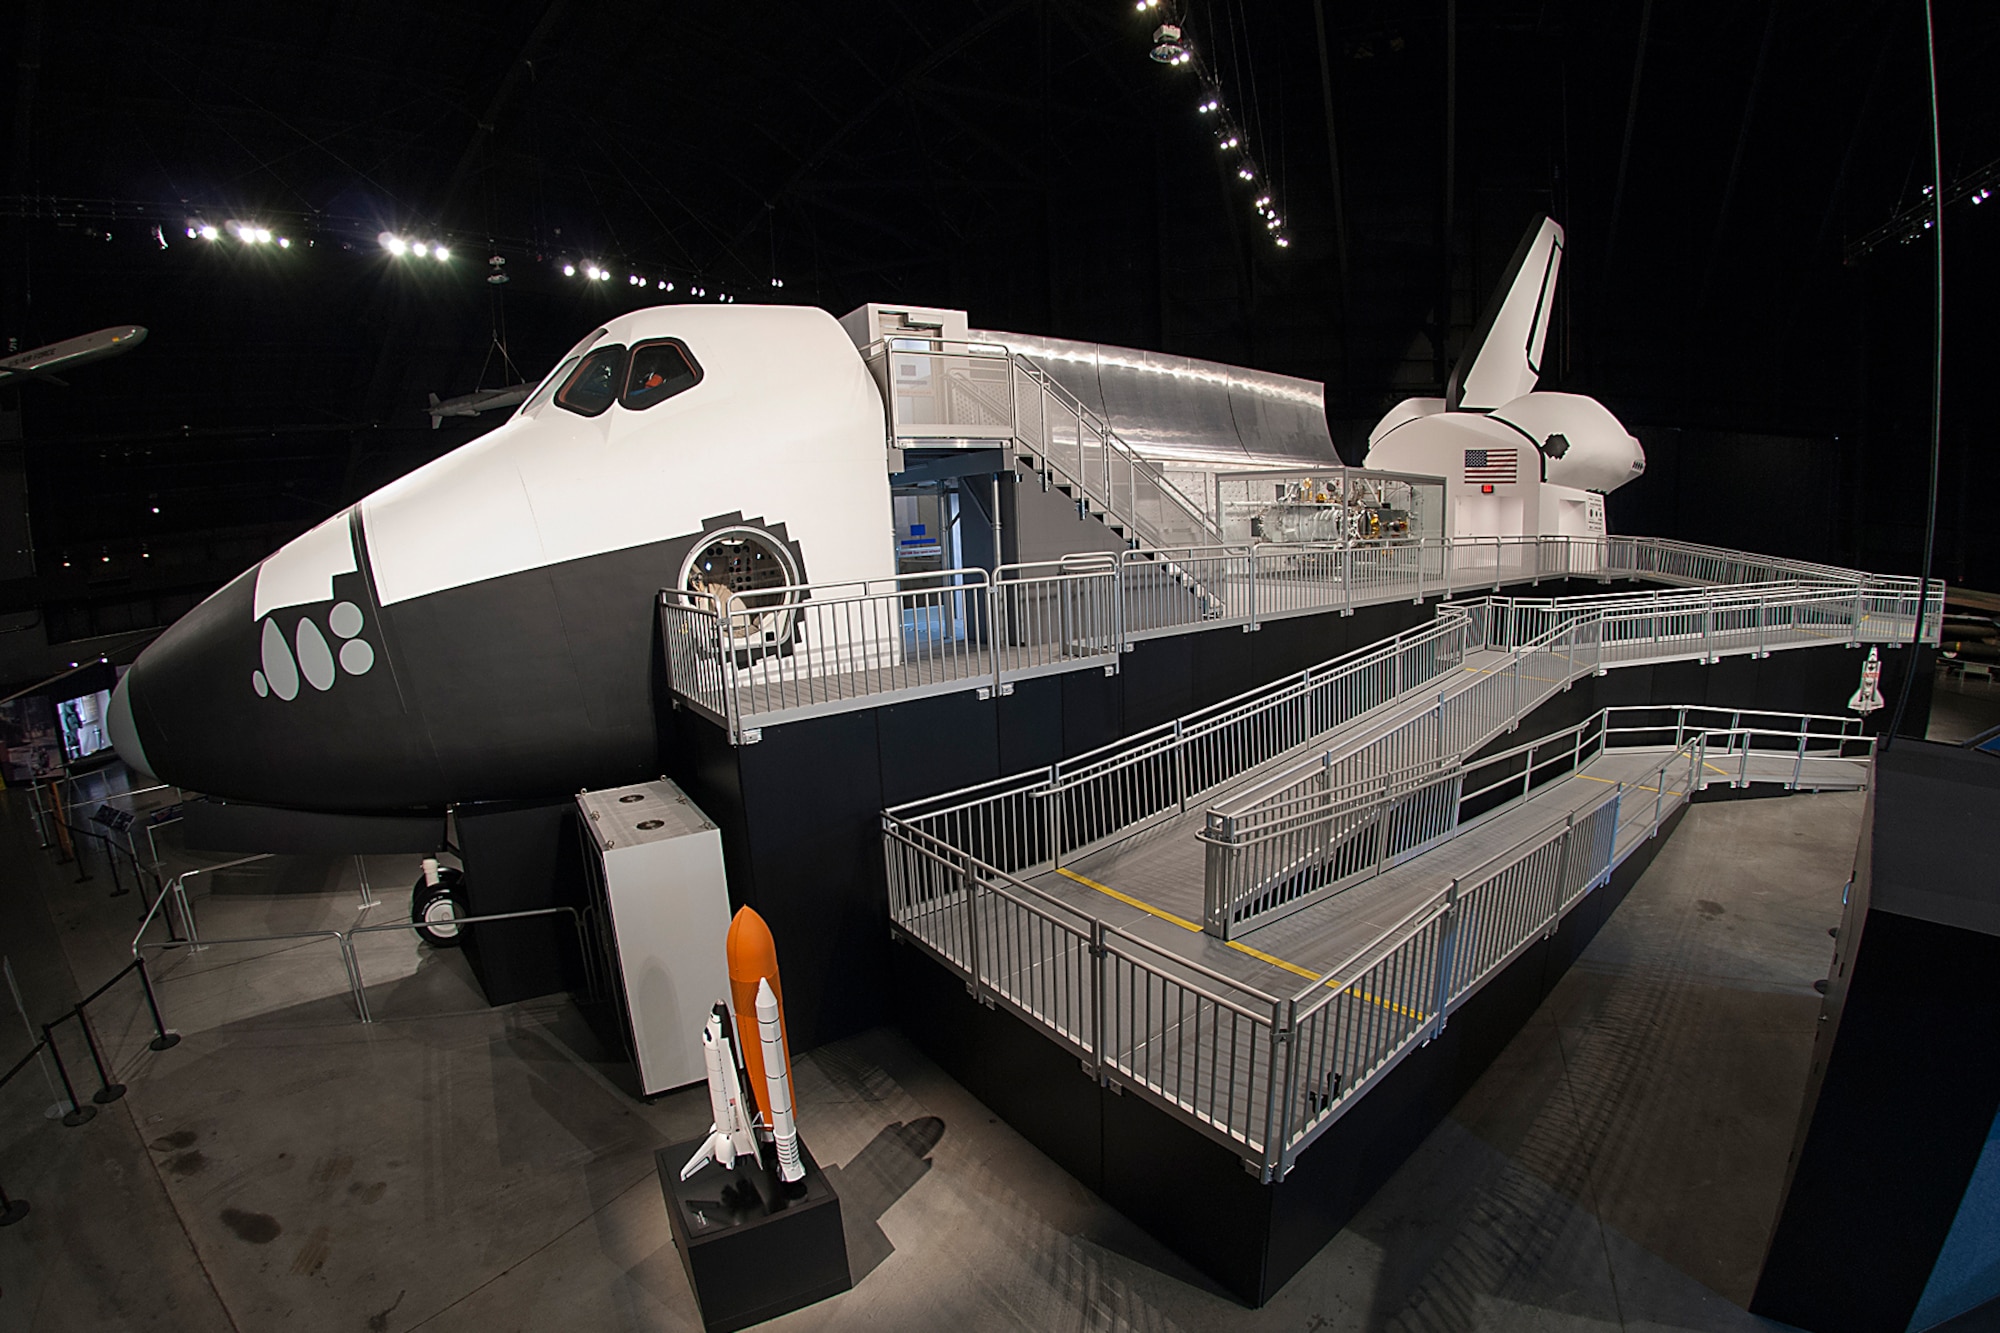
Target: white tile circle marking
(345, 620)
(356, 657)
(259, 684)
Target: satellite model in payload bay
(765, 1062)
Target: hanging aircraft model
(480, 400)
(484, 627)
(41, 363)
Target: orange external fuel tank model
(753, 957)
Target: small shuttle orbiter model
(41, 363)
(1868, 695)
(767, 1061)
(731, 1134)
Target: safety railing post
(1446, 959)
(1278, 1094)
(1180, 766)
(969, 880)
(1799, 764)
(1097, 993)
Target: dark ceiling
(1022, 159)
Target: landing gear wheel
(436, 908)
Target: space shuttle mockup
(1515, 461)
(483, 627)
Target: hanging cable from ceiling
(1174, 47)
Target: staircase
(944, 395)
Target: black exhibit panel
(1891, 1213)
(522, 857)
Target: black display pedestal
(753, 1250)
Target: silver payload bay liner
(484, 628)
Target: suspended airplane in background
(479, 400)
(1512, 456)
(42, 362)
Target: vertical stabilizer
(1504, 357)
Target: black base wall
(1887, 1220)
(1191, 1192)
(520, 857)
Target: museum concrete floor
(457, 1167)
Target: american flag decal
(1492, 464)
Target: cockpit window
(551, 384)
(593, 386)
(660, 369)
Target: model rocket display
(758, 999)
(730, 1134)
(1868, 696)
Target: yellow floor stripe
(1237, 945)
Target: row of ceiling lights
(251, 234)
(1172, 48)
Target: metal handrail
(1261, 1126)
(807, 648)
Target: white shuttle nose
(125, 731)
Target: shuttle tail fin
(1503, 359)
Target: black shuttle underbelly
(527, 685)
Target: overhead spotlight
(193, 232)
(1283, 243)
(440, 253)
(420, 250)
(1246, 173)
(1231, 142)
(777, 282)
(590, 271)
(569, 270)
(1927, 191)
(668, 285)
(393, 243)
(156, 509)
(1144, 5)
(1264, 201)
(284, 243)
(261, 235)
(209, 233)
(604, 275)
(1167, 48)
(1209, 107)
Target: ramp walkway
(1249, 915)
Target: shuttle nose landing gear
(437, 902)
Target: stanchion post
(163, 1040)
(78, 1114)
(107, 1091)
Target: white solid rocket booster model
(730, 1134)
(778, 1081)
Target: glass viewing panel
(660, 370)
(593, 386)
(1349, 506)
